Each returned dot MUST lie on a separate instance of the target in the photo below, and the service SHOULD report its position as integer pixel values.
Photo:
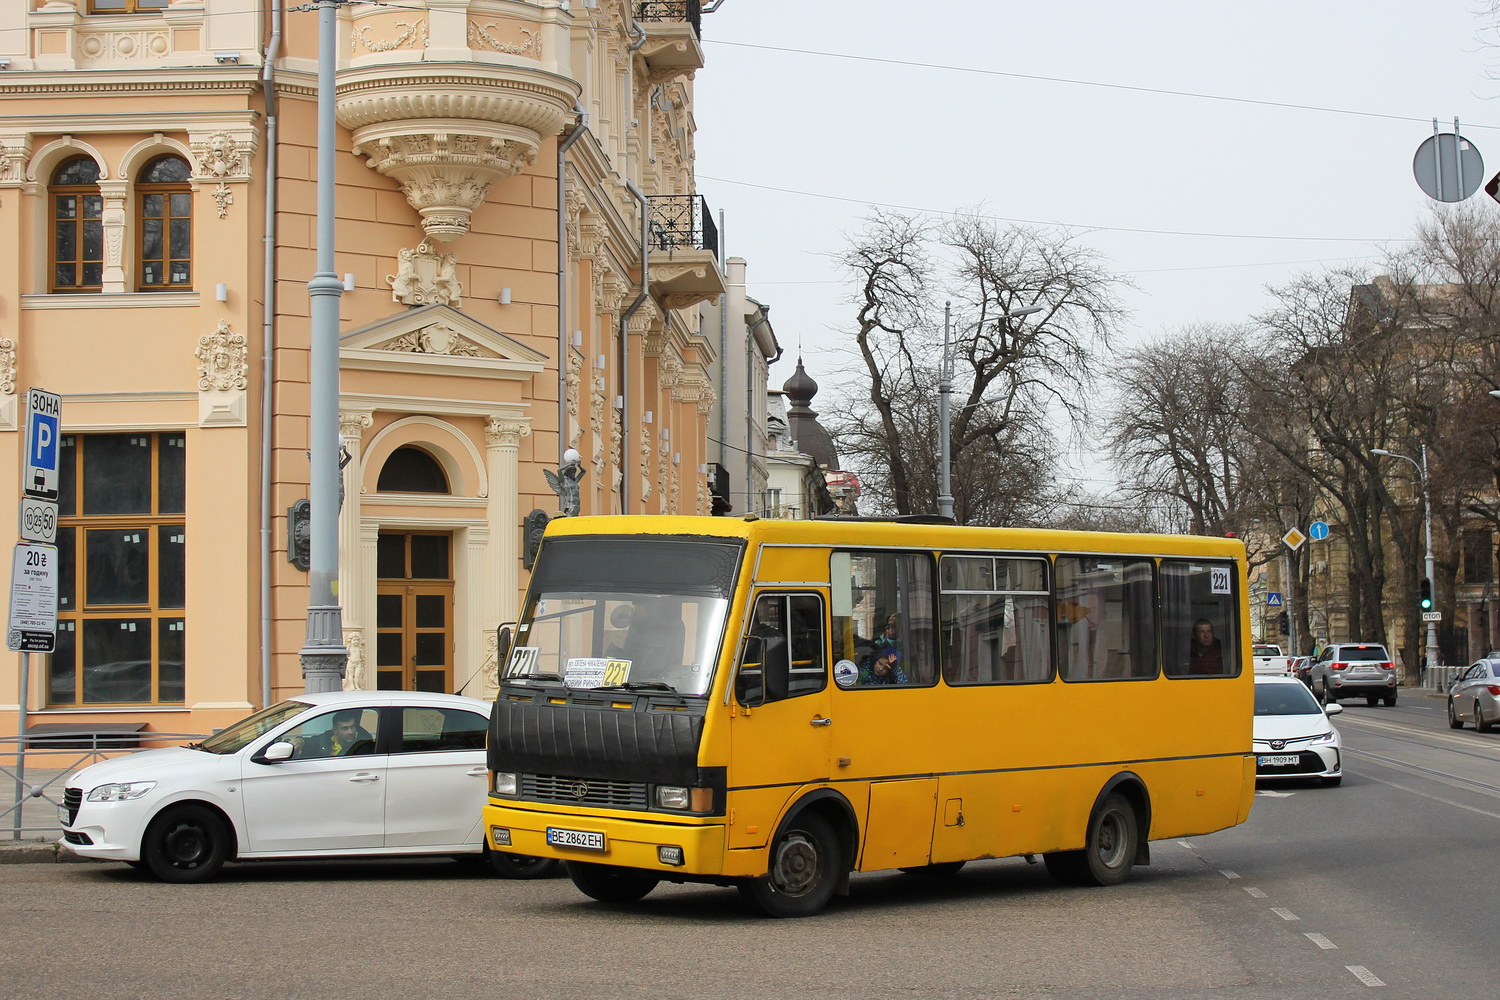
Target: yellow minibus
(774, 704)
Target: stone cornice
(158, 81)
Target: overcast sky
(1206, 149)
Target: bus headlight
(505, 783)
(671, 797)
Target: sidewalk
(39, 826)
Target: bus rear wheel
(610, 884)
(805, 868)
(1109, 849)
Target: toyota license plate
(584, 840)
(1281, 760)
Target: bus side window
(784, 653)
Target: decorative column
(500, 583)
(357, 580)
(113, 223)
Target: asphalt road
(1381, 887)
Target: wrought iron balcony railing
(690, 11)
(683, 222)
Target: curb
(37, 852)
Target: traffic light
(1424, 595)
(1284, 622)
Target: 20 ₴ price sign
(33, 599)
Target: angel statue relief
(564, 481)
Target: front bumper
(629, 843)
(1312, 762)
(109, 830)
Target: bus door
(780, 737)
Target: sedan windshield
(235, 738)
(634, 614)
(1285, 699)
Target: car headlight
(1325, 738)
(504, 783)
(119, 791)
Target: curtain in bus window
(1200, 619)
(1106, 618)
(995, 620)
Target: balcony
(684, 251)
(718, 489)
(673, 30)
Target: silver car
(1352, 670)
(1475, 696)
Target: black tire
(1333, 782)
(806, 865)
(521, 866)
(1481, 724)
(1454, 722)
(943, 869)
(1390, 700)
(610, 884)
(1329, 698)
(1109, 850)
(186, 844)
(1372, 700)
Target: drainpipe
(268, 346)
(562, 278)
(626, 448)
(723, 354)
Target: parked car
(1475, 696)
(1302, 670)
(1352, 669)
(1291, 734)
(341, 774)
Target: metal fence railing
(682, 222)
(37, 774)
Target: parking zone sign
(33, 599)
(43, 424)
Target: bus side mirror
(749, 683)
(502, 648)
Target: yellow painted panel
(899, 826)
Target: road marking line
(1185, 843)
(1365, 976)
(1257, 893)
(1321, 942)
(1228, 874)
(1284, 913)
(1435, 798)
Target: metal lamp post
(1432, 650)
(324, 656)
(945, 389)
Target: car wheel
(1481, 724)
(1329, 697)
(805, 867)
(942, 869)
(1333, 782)
(1454, 722)
(521, 865)
(609, 884)
(1372, 700)
(1390, 699)
(186, 844)
(1109, 850)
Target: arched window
(165, 217)
(77, 226)
(411, 470)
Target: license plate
(585, 840)
(1279, 761)
(62, 815)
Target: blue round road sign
(1318, 530)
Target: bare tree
(1013, 371)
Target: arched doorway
(414, 586)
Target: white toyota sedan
(336, 775)
(1292, 735)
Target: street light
(1432, 650)
(945, 389)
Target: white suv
(1351, 669)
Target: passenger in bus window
(1206, 654)
(883, 668)
(768, 618)
(890, 636)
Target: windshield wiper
(556, 678)
(640, 686)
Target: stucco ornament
(7, 366)
(438, 338)
(219, 156)
(221, 360)
(425, 276)
(354, 672)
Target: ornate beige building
(502, 168)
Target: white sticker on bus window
(845, 673)
(1218, 579)
(595, 671)
(523, 661)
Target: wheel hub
(797, 865)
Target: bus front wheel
(1109, 850)
(610, 884)
(805, 868)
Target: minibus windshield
(636, 614)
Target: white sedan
(342, 774)
(1292, 735)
